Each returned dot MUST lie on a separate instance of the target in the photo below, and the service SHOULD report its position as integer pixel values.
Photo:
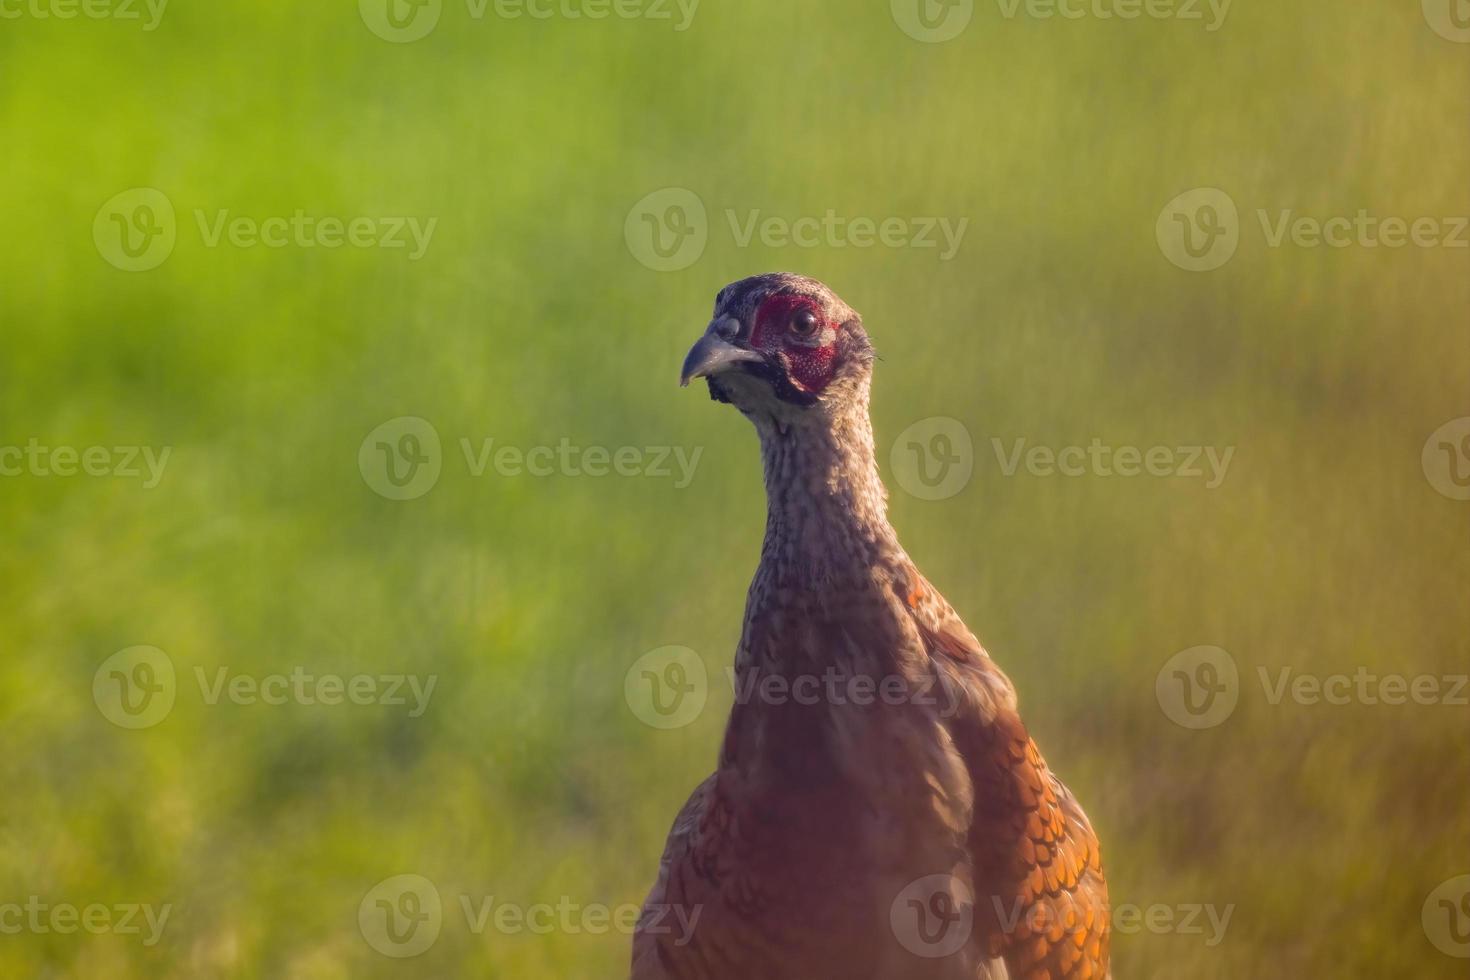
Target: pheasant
(879, 811)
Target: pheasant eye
(805, 323)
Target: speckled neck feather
(827, 517)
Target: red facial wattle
(807, 359)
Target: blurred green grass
(529, 321)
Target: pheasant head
(781, 346)
(794, 358)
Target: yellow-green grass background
(529, 321)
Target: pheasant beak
(715, 352)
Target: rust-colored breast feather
(1037, 863)
(1041, 898)
(686, 875)
(787, 885)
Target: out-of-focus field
(529, 319)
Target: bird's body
(878, 812)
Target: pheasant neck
(827, 510)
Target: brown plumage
(879, 811)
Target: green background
(530, 320)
